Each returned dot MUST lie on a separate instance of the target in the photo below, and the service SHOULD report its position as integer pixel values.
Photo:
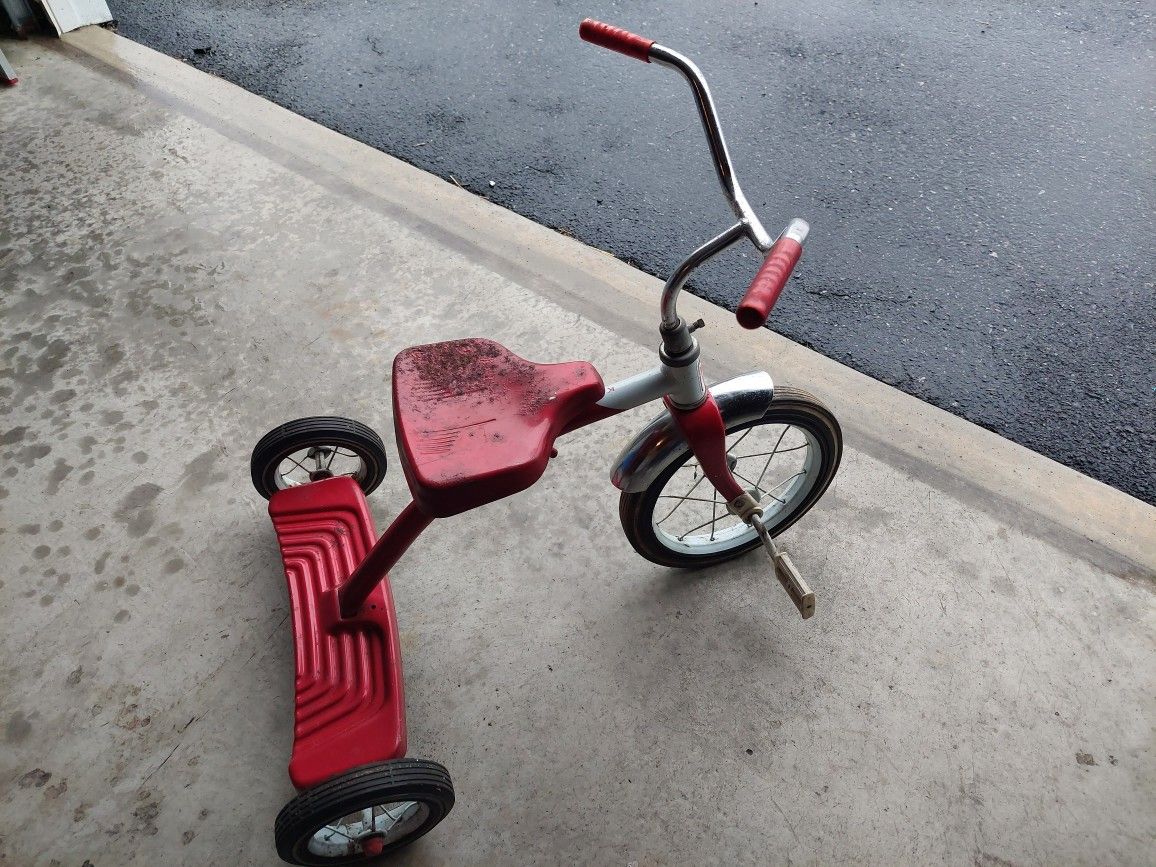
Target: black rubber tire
(292, 436)
(367, 786)
(789, 406)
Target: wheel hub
(372, 846)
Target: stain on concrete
(46, 600)
(174, 566)
(135, 511)
(29, 455)
(986, 860)
(127, 718)
(875, 518)
(92, 533)
(74, 676)
(146, 814)
(29, 529)
(1085, 759)
(122, 616)
(17, 729)
(52, 358)
(140, 457)
(200, 473)
(41, 551)
(35, 778)
(59, 473)
(111, 356)
(13, 435)
(98, 566)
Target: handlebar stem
(718, 149)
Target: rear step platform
(350, 707)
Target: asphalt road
(979, 179)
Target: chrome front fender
(744, 398)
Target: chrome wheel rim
(776, 463)
(316, 462)
(369, 831)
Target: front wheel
(364, 813)
(786, 460)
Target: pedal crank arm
(796, 587)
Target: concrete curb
(1018, 486)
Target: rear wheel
(786, 460)
(364, 813)
(320, 447)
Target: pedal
(797, 588)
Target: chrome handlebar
(723, 166)
(748, 225)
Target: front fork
(705, 432)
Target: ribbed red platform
(350, 706)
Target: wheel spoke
(780, 451)
(758, 490)
(292, 461)
(713, 507)
(735, 444)
(683, 499)
(692, 529)
(785, 481)
(772, 455)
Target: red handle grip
(616, 39)
(772, 278)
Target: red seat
(476, 423)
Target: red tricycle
(474, 422)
